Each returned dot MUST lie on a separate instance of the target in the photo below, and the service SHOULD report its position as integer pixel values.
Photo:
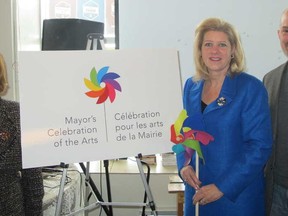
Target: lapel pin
(221, 101)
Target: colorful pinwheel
(109, 86)
(187, 139)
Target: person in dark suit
(21, 190)
(276, 83)
(232, 106)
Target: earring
(232, 56)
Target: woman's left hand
(207, 194)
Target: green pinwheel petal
(93, 77)
(194, 144)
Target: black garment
(21, 190)
(272, 82)
(281, 150)
(203, 106)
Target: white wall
(6, 44)
(171, 23)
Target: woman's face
(216, 52)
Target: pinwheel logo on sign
(102, 85)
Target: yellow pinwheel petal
(91, 85)
(179, 122)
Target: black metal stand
(147, 179)
(106, 165)
(89, 182)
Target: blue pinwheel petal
(110, 76)
(102, 73)
(178, 148)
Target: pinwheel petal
(175, 138)
(194, 144)
(172, 134)
(89, 84)
(178, 148)
(110, 76)
(189, 134)
(103, 97)
(111, 92)
(102, 73)
(204, 137)
(93, 76)
(179, 122)
(114, 83)
(95, 94)
(188, 155)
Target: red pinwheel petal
(173, 134)
(94, 94)
(103, 97)
(174, 138)
(111, 92)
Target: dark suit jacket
(272, 81)
(21, 190)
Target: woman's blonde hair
(237, 63)
(3, 76)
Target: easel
(95, 39)
(103, 204)
(89, 183)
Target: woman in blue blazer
(233, 108)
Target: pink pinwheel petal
(188, 155)
(189, 134)
(204, 137)
(111, 92)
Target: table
(72, 195)
(176, 185)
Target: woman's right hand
(189, 176)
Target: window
(31, 14)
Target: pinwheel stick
(197, 175)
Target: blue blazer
(239, 120)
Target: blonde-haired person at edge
(234, 109)
(21, 190)
(276, 82)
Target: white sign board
(79, 106)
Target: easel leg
(147, 188)
(61, 190)
(106, 165)
(94, 188)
